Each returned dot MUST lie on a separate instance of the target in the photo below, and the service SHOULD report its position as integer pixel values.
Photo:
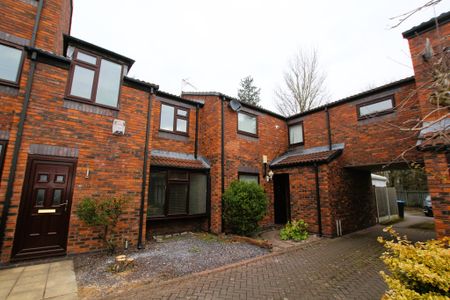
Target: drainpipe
(196, 132)
(144, 170)
(319, 213)
(36, 23)
(18, 141)
(330, 143)
(222, 157)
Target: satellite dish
(235, 105)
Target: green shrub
(104, 213)
(245, 204)
(295, 230)
(418, 271)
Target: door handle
(65, 205)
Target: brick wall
(210, 147)
(18, 20)
(115, 162)
(172, 142)
(369, 142)
(436, 164)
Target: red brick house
(74, 125)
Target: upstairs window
(247, 124)
(376, 107)
(94, 79)
(11, 59)
(296, 134)
(174, 119)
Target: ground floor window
(177, 193)
(2, 156)
(249, 177)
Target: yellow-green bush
(417, 270)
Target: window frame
(248, 174)
(4, 144)
(166, 215)
(96, 68)
(303, 134)
(175, 118)
(15, 83)
(378, 113)
(255, 135)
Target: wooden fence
(412, 198)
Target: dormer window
(94, 79)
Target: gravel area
(160, 261)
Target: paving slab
(43, 281)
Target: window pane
(57, 195)
(296, 134)
(182, 112)
(87, 58)
(109, 83)
(40, 197)
(248, 178)
(197, 194)
(157, 194)
(167, 115)
(59, 178)
(247, 123)
(10, 59)
(82, 82)
(43, 178)
(375, 107)
(181, 125)
(177, 198)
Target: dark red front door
(45, 209)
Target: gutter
(319, 212)
(144, 169)
(18, 141)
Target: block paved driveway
(341, 268)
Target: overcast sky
(216, 43)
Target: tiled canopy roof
(177, 160)
(313, 155)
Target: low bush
(245, 204)
(417, 270)
(295, 230)
(103, 213)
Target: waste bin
(401, 208)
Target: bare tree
(304, 84)
(405, 16)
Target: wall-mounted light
(269, 176)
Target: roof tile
(303, 159)
(162, 161)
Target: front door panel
(45, 209)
